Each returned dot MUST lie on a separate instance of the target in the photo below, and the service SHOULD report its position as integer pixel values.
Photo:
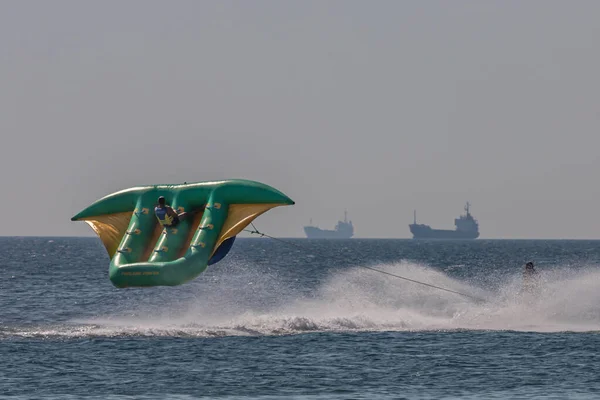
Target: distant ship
(466, 228)
(343, 230)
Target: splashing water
(361, 300)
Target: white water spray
(361, 300)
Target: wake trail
(357, 299)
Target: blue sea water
(310, 322)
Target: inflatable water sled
(144, 253)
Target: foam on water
(358, 299)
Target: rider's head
(529, 265)
(161, 201)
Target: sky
(377, 107)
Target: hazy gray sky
(379, 107)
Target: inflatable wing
(143, 253)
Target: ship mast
(415, 217)
(467, 207)
(346, 216)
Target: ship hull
(426, 232)
(313, 232)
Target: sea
(305, 319)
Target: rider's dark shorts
(175, 222)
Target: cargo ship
(467, 227)
(343, 230)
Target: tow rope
(261, 234)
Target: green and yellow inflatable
(143, 253)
